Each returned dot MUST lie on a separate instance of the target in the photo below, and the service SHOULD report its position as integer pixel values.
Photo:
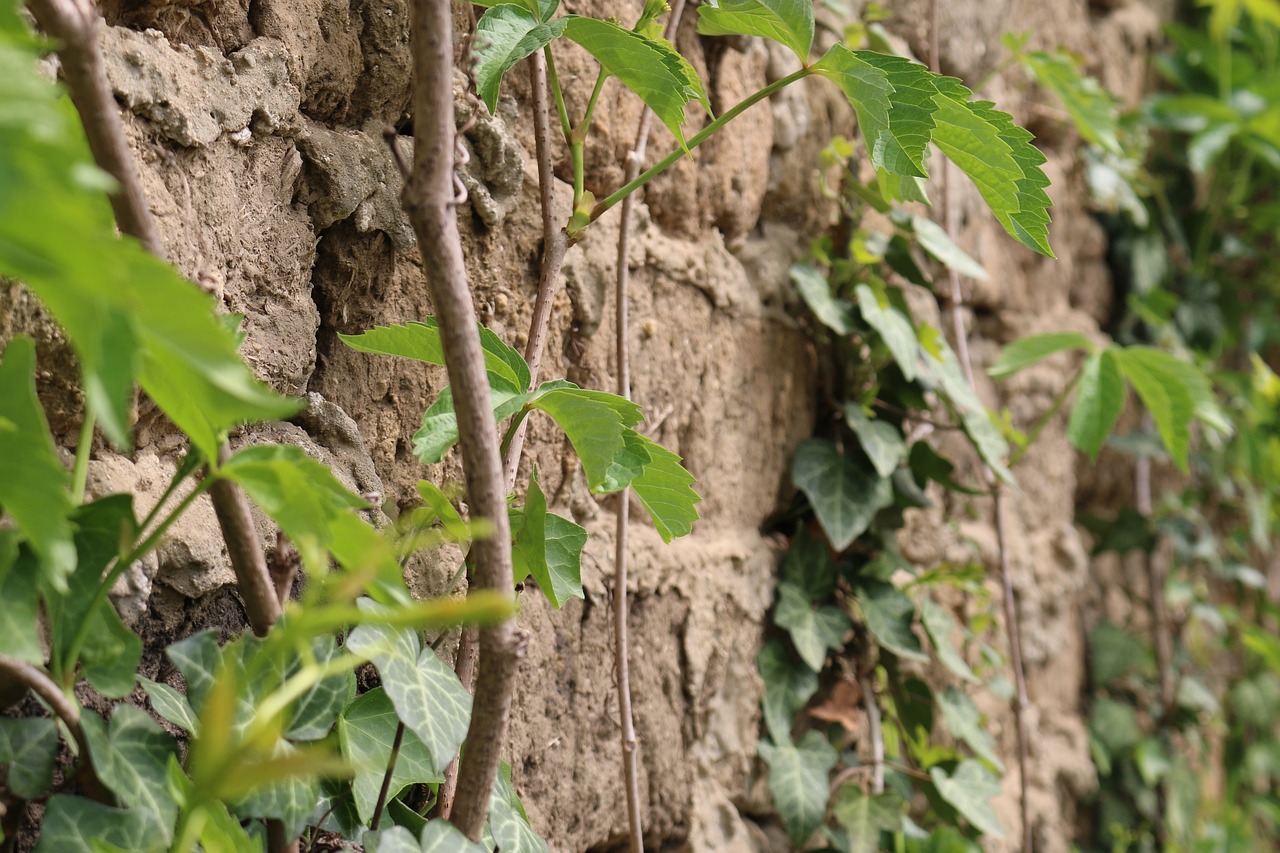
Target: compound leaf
(504, 35)
(1025, 352)
(665, 490)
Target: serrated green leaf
(34, 485)
(798, 781)
(939, 625)
(507, 821)
(1099, 401)
(366, 733)
(29, 747)
(813, 630)
(815, 290)
(844, 496)
(421, 342)
(788, 22)
(665, 490)
(628, 464)
(504, 35)
(895, 330)
(1168, 387)
(548, 547)
(314, 713)
(881, 441)
(131, 758)
(20, 615)
(970, 789)
(1092, 109)
(170, 704)
(965, 724)
(649, 67)
(595, 424)
(1025, 352)
(427, 694)
(890, 615)
(73, 824)
(862, 818)
(543, 8)
(440, 836)
(787, 687)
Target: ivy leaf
(504, 35)
(892, 325)
(316, 710)
(789, 22)
(508, 823)
(973, 415)
(965, 723)
(396, 839)
(1025, 352)
(170, 704)
(131, 758)
(649, 67)
(1099, 401)
(290, 797)
(440, 836)
(548, 547)
(815, 290)
(939, 625)
(665, 490)
(970, 789)
(366, 733)
(76, 825)
(427, 694)
(787, 688)
(1092, 109)
(198, 658)
(881, 441)
(890, 615)
(28, 746)
(844, 496)
(34, 485)
(813, 631)
(809, 567)
(20, 615)
(798, 781)
(1167, 386)
(863, 818)
(594, 423)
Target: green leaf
(505, 35)
(1114, 724)
(890, 615)
(74, 824)
(366, 733)
(1115, 653)
(939, 625)
(1025, 352)
(1092, 109)
(844, 496)
(20, 616)
(972, 414)
(649, 67)
(893, 326)
(934, 239)
(815, 290)
(198, 658)
(813, 631)
(34, 486)
(1168, 387)
(315, 711)
(397, 839)
(595, 424)
(665, 490)
(290, 798)
(798, 781)
(222, 833)
(131, 758)
(1099, 401)
(170, 704)
(548, 547)
(440, 836)
(787, 688)
(426, 693)
(970, 789)
(809, 567)
(789, 22)
(421, 342)
(29, 747)
(507, 821)
(862, 818)
(881, 441)
(965, 723)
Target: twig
(250, 565)
(874, 731)
(429, 200)
(42, 685)
(386, 778)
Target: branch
(429, 201)
(252, 576)
(42, 685)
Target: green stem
(579, 134)
(80, 473)
(558, 93)
(701, 137)
(513, 429)
(1048, 416)
(179, 475)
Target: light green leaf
(421, 342)
(881, 441)
(789, 22)
(20, 615)
(543, 8)
(970, 789)
(131, 758)
(844, 497)
(649, 67)
(787, 688)
(222, 833)
(1092, 109)
(1099, 401)
(73, 824)
(1025, 352)
(862, 818)
(665, 490)
(427, 694)
(965, 723)
(934, 239)
(798, 781)
(813, 631)
(34, 486)
(396, 839)
(505, 35)
(890, 615)
(28, 746)
(290, 799)
(894, 328)
(170, 704)
(939, 625)
(198, 658)
(1169, 388)
(366, 733)
(440, 836)
(970, 411)
(595, 424)
(815, 290)
(507, 821)
(548, 547)
(316, 710)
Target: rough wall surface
(258, 129)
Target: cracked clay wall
(257, 125)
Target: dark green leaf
(965, 723)
(548, 547)
(939, 625)
(809, 567)
(789, 22)
(787, 687)
(665, 490)
(198, 658)
(131, 757)
(366, 732)
(505, 35)
(1115, 653)
(813, 630)
(290, 799)
(74, 824)
(844, 496)
(970, 789)
(170, 704)
(890, 616)
(798, 781)
(880, 440)
(815, 290)
(1099, 401)
(862, 818)
(1114, 724)
(28, 746)
(1025, 352)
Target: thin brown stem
(875, 731)
(42, 685)
(258, 590)
(429, 199)
(385, 790)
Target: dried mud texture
(258, 129)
